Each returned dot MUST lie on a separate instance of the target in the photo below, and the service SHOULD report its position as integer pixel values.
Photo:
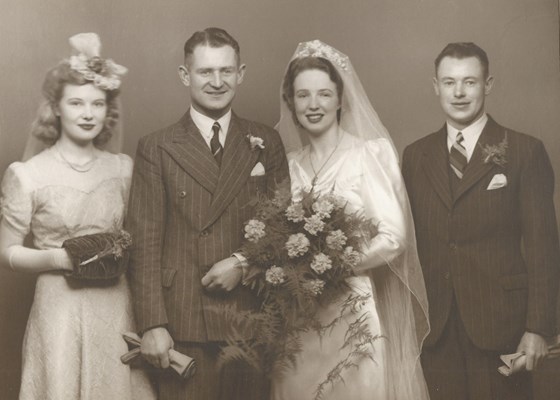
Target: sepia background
(392, 44)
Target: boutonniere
(495, 153)
(255, 141)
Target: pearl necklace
(81, 168)
(316, 173)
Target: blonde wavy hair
(46, 126)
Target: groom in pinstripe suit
(192, 191)
(482, 200)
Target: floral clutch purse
(99, 256)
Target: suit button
(204, 233)
(447, 275)
(182, 194)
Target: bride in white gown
(349, 151)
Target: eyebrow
(205, 69)
(82, 99)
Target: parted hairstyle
(462, 50)
(46, 126)
(212, 37)
(296, 67)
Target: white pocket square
(498, 181)
(258, 170)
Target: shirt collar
(204, 123)
(471, 134)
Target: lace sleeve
(16, 200)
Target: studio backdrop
(392, 44)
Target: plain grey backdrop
(392, 44)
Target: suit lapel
(476, 168)
(190, 151)
(436, 165)
(237, 163)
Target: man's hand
(155, 347)
(224, 276)
(535, 348)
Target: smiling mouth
(314, 118)
(87, 127)
(460, 104)
(216, 94)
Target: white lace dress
(73, 343)
(354, 175)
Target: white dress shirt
(204, 125)
(471, 134)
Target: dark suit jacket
(185, 214)
(496, 251)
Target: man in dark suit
(482, 200)
(193, 188)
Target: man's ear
(184, 75)
(436, 87)
(241, 73)
(488, 84)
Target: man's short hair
(213, 37)
(462, 50)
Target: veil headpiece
(400, 293)
(102, 73)
(316, 48)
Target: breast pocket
(257, 183)
(255, 187)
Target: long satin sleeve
(383, 196)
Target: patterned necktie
(215, 145)
(458, 156)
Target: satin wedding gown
(73, 343)
(353, 174)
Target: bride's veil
(401, 296)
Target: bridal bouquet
(301, 252)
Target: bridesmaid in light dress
(74, 187)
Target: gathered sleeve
(16, 200)
(384, 201)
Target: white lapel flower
(255, 141)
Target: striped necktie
(458, 156)
(215, 145)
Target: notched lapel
(190, 151)
(492, 134)
(237, 163)
(436, 165)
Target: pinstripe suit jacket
(470, 244)
(185, 214)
